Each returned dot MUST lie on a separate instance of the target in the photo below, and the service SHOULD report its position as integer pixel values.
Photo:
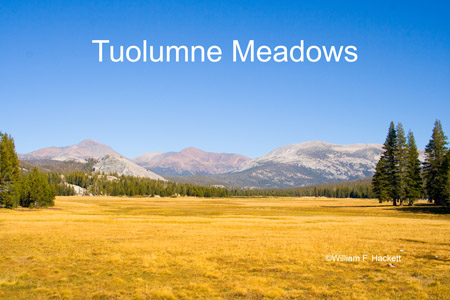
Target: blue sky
(54, 92)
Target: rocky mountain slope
(306, 164)
(78, 152)
(334, 161)
(190, 161)
(110, 164)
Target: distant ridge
(190, 161)
(307, 163)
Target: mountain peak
(87, 148)
(192, 150)
(311, 144)
(88, 141)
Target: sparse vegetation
(48, 165)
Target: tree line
(401, 178)
(115, 185)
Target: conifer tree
(380, 182)
(414, 185)
(435, 174)
(36, 191)
(402, 155)
(446, 198)
(9, 173)
(386, 180)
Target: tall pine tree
(386, 180)
(435, 173)
(414, 185)
(446, 198)
(380, 182)
(9, 173)
(402, 159)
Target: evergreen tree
(386, 180)
(402, 155)
(446, 198)
(9, 173)
(414, 185)
(380, 182)
(435, 174)
(36, 191)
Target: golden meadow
(249, 248)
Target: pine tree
(402, 155)
(386, 180)
(436, 177)
(380, 182)
(414, 185)
(446, 198)
(36, 191)
(9, 173)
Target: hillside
(308, 163)
(48, 165)
(110, 164)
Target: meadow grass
(254, 248)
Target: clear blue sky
(53, 91)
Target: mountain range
(288, 166)
(306, 164)
(190, 161)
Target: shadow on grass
(425, 209)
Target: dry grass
(186, 248)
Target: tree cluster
(36, 191)
(28, 190)
(399, 176)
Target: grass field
(187, 248)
